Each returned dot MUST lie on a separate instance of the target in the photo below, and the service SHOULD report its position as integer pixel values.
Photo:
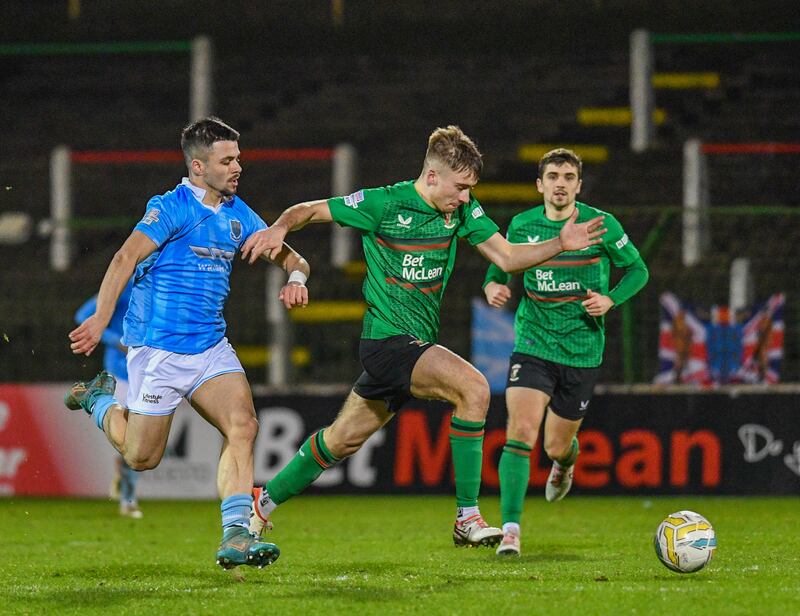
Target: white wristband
(297, 276)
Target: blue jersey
(179, 291)
(113, 355)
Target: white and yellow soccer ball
(685, 541)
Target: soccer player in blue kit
(180, 256)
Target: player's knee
(140, 462)
(243, 429)
(475, 396)
(522, 430)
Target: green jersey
(551, 323)
(410, 250)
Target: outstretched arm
(88, 334)
(513, 258)
(269, 242)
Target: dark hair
(453, 148)
(558, 157)
(200, 136)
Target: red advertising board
(709, 443)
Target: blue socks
(236, 510)
(99, 406)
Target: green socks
(306, 465)
(572, 455)
(466, 444)
(515, 472)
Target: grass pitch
(393, 555)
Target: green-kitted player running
(559, 334)
(409, 234)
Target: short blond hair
(454, 149)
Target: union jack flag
(722, 347)
(682, 351)
(762, 343)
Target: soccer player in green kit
(409, 234)
(559, 335)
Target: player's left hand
(268, 242)
(577, 236)
(294, 294)
(597, 305)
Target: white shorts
(158, 379)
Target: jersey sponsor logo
(211, 252)
(533, 240)
(584, 405)
(405, 223)
(449, 223)
(236, 230)
(622, 241)
(414, 269)
(151, 216)
(477, 212)
(514, 376)
(545, 282)
(354, 199)
(151, 398)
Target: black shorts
(388, 364)
(570, 389)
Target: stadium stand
(372, 85)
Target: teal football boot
(240, 547)
(82, 395)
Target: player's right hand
(496, 294)
(577, 236)
(268, 242)
(294, 294)
(85, 338)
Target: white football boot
(509, 546)
(559, 482)
(473, 531)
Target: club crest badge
(236, 230)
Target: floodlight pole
(641, 90)
(201, 78)
(343, 183)
(280, 348)
(60, 208)
(696, 231)
(741, 285)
